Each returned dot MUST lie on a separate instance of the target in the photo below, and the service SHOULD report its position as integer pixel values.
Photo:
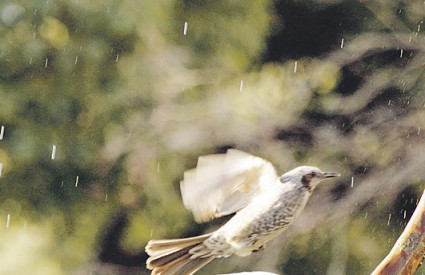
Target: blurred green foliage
(130, 102)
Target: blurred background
(104, 104)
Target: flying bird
(235, 182)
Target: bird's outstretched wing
(224, 183)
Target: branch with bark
(408, 252)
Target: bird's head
(307, 176)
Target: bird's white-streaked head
(307, 176)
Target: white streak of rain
(185, 28)
(54, 152)
(8, 221)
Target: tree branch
(408, 252)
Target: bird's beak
(326, 175)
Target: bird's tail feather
(172, 256)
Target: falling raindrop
(1, 132)
(1, 168)
(8, 221)
(106, 197)
(45, 63)
(404, 215)
(54, 152)
(157, 167)
(342, 43)
(401, 53)
(389, 219)
(76, 181)
(185, 28)
(241, 86)
(117, 57)
(295, 66)
(76, 59)
(352, 182)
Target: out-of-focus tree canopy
(104, 104)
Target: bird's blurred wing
(224, 183)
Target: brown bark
(408, 252)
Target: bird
(263, 203)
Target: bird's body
(265, 206)
(265, 217)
